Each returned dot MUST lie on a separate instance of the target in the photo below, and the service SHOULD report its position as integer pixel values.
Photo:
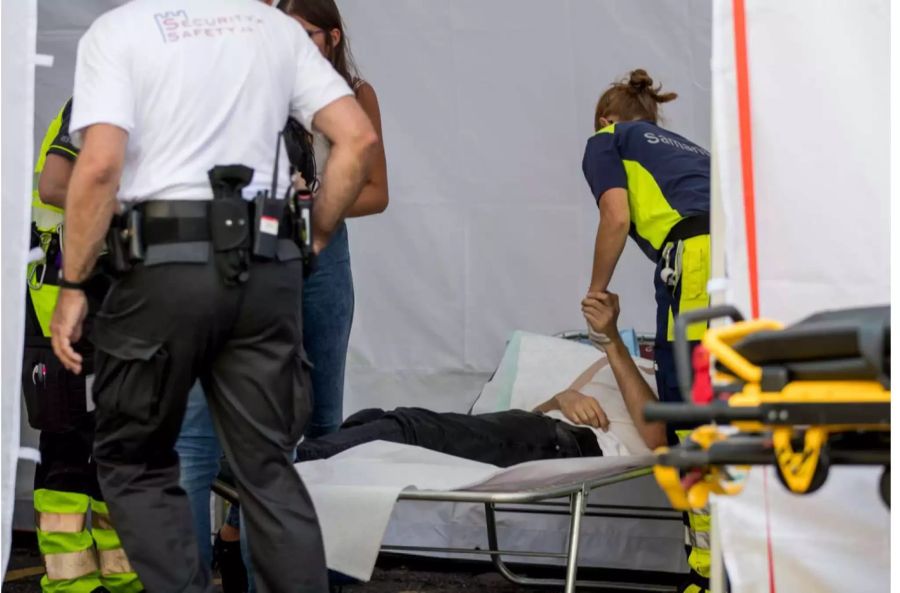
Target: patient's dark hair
(325, 15)
(632, 98)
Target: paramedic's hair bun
(639, 80)
(640, 83)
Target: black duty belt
(184, 221)
(687, 228)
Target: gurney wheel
(886, 486)
(819, 476)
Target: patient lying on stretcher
(568, 424)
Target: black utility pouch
(229, 225)
(117, 260)
(55, 399)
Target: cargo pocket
(302, 396)
(130, 374)
(55, 399)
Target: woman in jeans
(327, 300)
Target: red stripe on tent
(770, 557)
(743, 91)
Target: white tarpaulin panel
(487, 106)
(819, 102)
(19, 24)
(819, 106)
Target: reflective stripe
(114, 562)
(57, 501)
(98, 506)
(106, 539)
(71, 565)
(99, 521)
(651, 213)
(63, 543)
(86, 584)
(126, 582)
(698, 539)
(699, 561)
(694, 589)
(60, 522)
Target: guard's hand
(582, 409)
(65, 328)
(601, 311)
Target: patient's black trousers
(501, 438)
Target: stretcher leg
(574, 540)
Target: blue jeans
(327, 317)
(199, 452)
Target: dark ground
(394, 574)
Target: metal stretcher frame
(540, 501)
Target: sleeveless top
(321, 145)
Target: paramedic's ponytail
(634, 98)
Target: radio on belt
(267, 219)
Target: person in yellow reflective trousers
(654, 185)
(79, 557)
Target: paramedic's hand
(582, 409)
(65, 328)
(601, 311)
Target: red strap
(743, 91)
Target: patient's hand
(582, 409)
(601, 311)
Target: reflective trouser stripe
(60, 522)
(71, 565)
(696, 533)
(86, 584)
(114, 562)
(64, 543)
(116, 571)
(695, 589)
(56, 501)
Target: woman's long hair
(325, 15)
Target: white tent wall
(819, 97)
(19, 25)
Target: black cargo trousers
(161, 327)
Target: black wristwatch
(67, 285)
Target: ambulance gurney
(801, 398)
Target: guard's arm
(373, 198)
(612, 232)
(91, 199)
(353, 142)
(54, 180)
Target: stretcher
(423, 486)
(802, 399)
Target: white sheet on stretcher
(354, 493)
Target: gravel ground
(394, 574)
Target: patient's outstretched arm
(602, 312)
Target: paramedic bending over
(654, 185)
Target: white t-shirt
(195, 85)
(622, 438)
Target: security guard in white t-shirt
(177, 114)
